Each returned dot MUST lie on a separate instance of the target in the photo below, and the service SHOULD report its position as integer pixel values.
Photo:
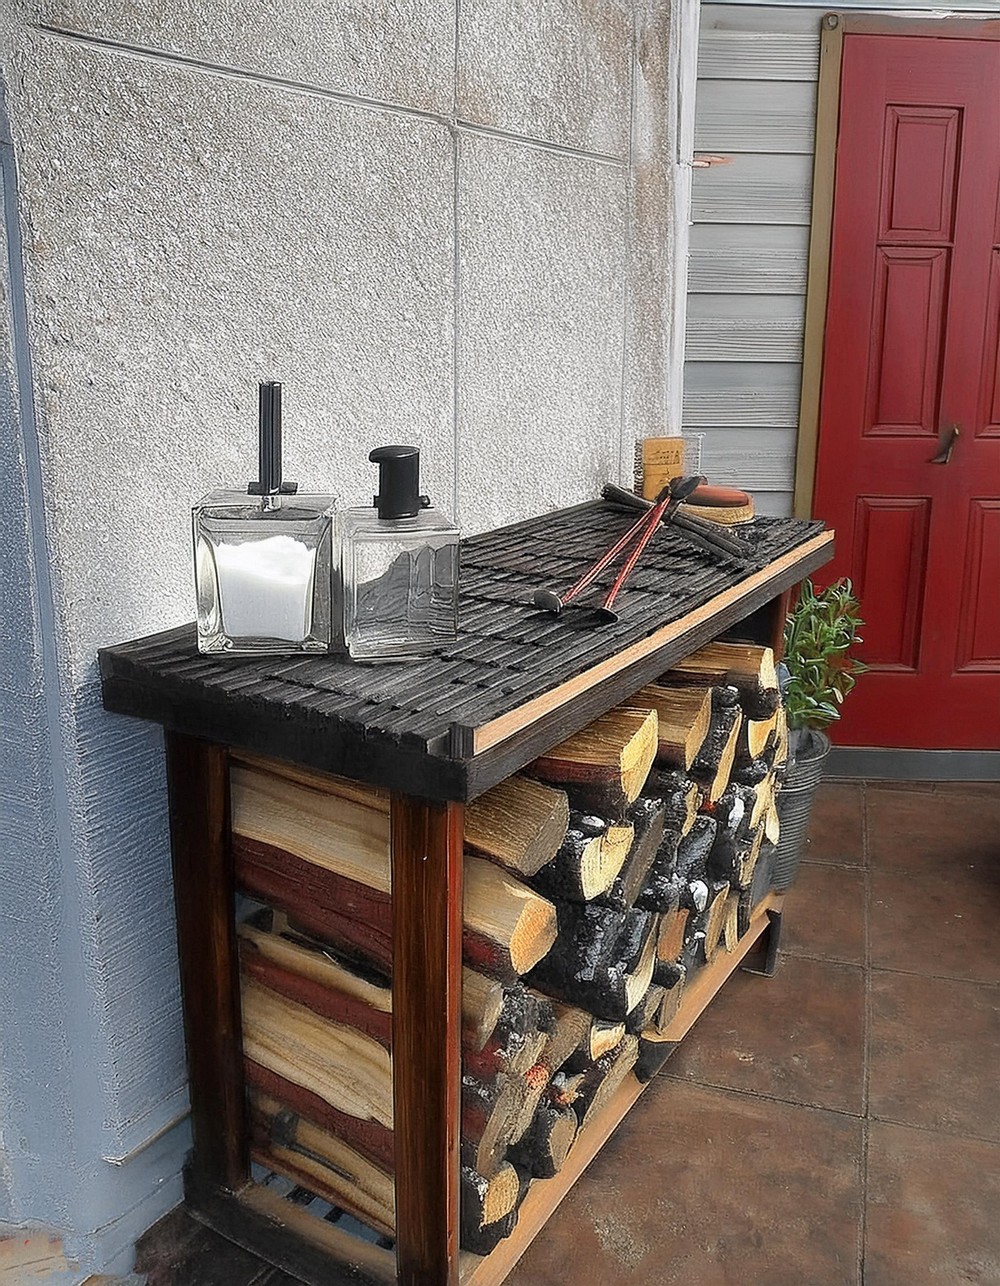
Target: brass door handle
(946, 444)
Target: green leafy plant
(819, 634)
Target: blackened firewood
(749, 667)
(751, 773)
(596, 959)
(653, 1055)
(547, 1141)
(661, 890)
(603, 1077)
(484, 1241)
(695, 847)
(647, 1008)
(487, 1200)
(667, 974)
(713, 767)
(647, 816)
(680, 798)
(724, 856)
(589, 858)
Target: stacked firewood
(596, 883)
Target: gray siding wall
(439, 223)
(756, 104)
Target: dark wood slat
(198, 782)
(426, 1036)
(395, 724)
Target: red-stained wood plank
(198, 782)
(427, 1002)
(367, 1137)
(323, 904)
(325, 1001)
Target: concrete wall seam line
(541, 144)
(456, 314)
(150, 54)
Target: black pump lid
(269, 481)
(398, 482)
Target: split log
(724, 860)
(588, 860)
(602, 959)
(567, 1033)
(760, 735)
(485, 1201)
(508, 927)
(519, 824)
(673, 930)
(304, 974)
(647, 1008)
(713, 767)
(547, 1141)
(662, 888)
(772, 822)
(669, 1007)
(715, 922)
(781, 736)
(323, 855)
(490, 1110)
(604, 766)
(483, 1001)
(292, 1145)
(680, 797)
(683, 716)
(602, 1079)
(509, 1053)
(731, 933)
(647, 816)
(367, 1137)
(745, 666)
(347, 1069)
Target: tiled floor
(838, 1123)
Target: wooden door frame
(833, 29)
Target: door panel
(979, 615)
(912, 337)
(891, 556)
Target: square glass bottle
(263, 558)
(398, 566)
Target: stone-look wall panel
(542, 262)
(399, 51)
(650, 259)
(557, 70)
(195, 235)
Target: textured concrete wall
(434, 222)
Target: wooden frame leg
(765, 958)
(427, 855)
(198, 783)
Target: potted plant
(819, 634)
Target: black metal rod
(269, 450)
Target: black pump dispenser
(398, 482)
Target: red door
(911, 349)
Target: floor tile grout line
(798, 953)
(758, 1094)
(939, 1131)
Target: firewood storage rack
(435, 734)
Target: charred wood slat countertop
(514, 683)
